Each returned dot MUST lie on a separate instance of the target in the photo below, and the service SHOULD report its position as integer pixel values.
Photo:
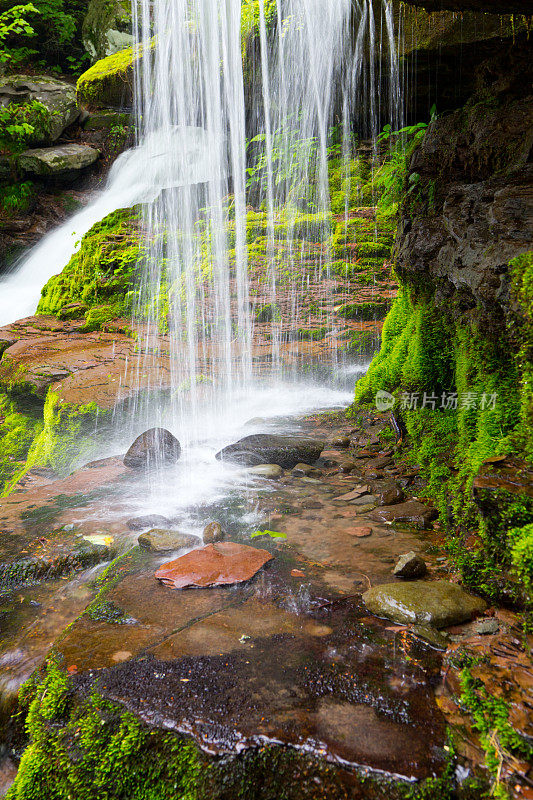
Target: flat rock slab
(411, 513)
(264, 448)
(221, 564)
(435, 603)
(58, 160)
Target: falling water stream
(202, 132)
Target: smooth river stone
(435, 603)
(163, 541)
(224, 563)
(266, 448)
(155, 447)
(410, 513)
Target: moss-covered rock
(20, 424)
(109, 82)
(99, 277)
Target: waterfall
(268, 152)
(237, 105)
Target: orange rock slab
(220, 564)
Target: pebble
(486, 627)
(410, 565)
(366, 499)
(342, 441)
(309, 503)
(347, 466)
(213, 533)
(302, 470)
(390, 497)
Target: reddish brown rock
(219, 564)
(360, 532)
(410, 513)
(390, 497)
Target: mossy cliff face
(457, 345)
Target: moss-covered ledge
(80, 745)
(465, 398)
(98, 280)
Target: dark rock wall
(472, 209)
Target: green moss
(370, 310)
(106, 611)
(83, 746)
(100, 275)
(479, 392)
(90, 748)
(18, 428)
(67, 436)
(498, 738)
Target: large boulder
(266, 448)
(155, 447)
(58, 96)
(58, 161)
(109, 82)
(435, 603)
(107, 27)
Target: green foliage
(16, 198)
(21, 125)
(13, 22)
(521, 544)
(294, 165)
(56, 29)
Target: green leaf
(272, 534)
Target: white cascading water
(312, 72)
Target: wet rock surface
(292, 655)
(285, 451)
(409, 513)
(147, 521)
(155, 447)
(162, 541)
(435, 603)
(410, 566)
(66, 159)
